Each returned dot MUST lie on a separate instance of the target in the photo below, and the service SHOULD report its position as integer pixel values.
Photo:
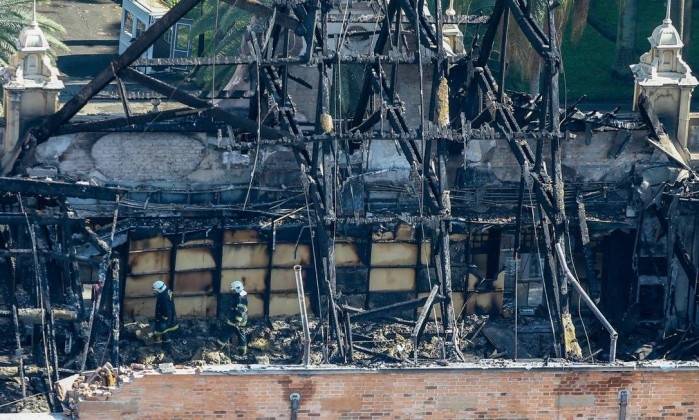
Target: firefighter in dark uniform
(237, 317)
(165, 317)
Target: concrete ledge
(485, 364)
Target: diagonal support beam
(179, 95)
(106, 76)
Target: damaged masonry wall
(457, 392)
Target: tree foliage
(15, 15)
(222, 28)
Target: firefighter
(237, 317)
(165, 317)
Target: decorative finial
(667, 14)
(34, 13)
(450, 11)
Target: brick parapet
(512, 391)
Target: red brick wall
(447, 393)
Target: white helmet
(159, 287)
(237, 286)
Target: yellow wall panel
(143, 285)
(194, 258)
(457, 302)
(393, 253)
(139, 308)
(346, 254)
(194, 282)
(284, 279)
(195, 306)
(281, 304)
(426, 253)
(253, 279)
(405, 232)
(245, 256)
(158, 242)
(391, 279)
(149, 262)
(256, 306)
(289, 255)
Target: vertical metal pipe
(115, 314)
(18, 351)
(613, 335)
(304, 315)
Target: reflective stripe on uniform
(167, 330)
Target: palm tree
(221, 29)
(15, 15)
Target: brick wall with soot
(411, 393)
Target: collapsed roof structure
(365, 144)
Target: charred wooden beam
(135, 121)
(328, 58)
(35, 187)
(489, 37)
(531, 30)
(179, 95)
(36, 315)
(131, 54)
(384, 311)
(422, 319)
(375, 353)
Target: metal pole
(613, 335)
(116, 309)
(304, 315)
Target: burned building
(363, 166)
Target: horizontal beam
(385, 310)
(134, 121)
(456, 19)
(181, 96)
(35, 187)
(329, 58)
(35, 315)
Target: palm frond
(15, 15)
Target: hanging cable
(539, 261)
(259, 127)
(39, 294)
(572, 265)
